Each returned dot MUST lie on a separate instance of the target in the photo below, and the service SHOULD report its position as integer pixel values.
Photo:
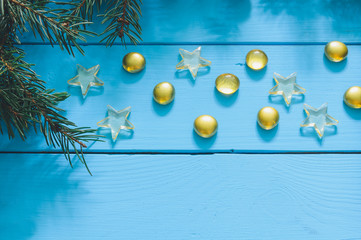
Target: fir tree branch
(85, 8)
(77, 9)
(25, 102)
(124, 21)
(60, 26)
(29, 102)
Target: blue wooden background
(163, 181)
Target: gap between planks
(196, 43)
(169, 152)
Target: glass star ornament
(116, 121)
(192, 61)
(286, 86)
(318, 118)
(86, 78)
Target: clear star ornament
(192, 61)
(318, 119)
(116, 121)
(86, 78)
(286, 86)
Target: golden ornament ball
(352, 97)
(163, 93)
(256, 59)
(336, 51)
(227, 83)
(268, 118)
(205, 126)
(133, 62)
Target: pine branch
(30, 103)
(61, 26)
(124, 21)
(85, 8)
(25, 102)
(78, 8)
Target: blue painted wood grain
(240, 21)
(169, 128)
(181, 197)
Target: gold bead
(352, 97)
(268, 118)
(163, 93)
(133, 62)
(227, 83)
(336, 51)
(205, 126)
(256, 59)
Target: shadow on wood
(41, 182)
(204, 143)
(225, 100)
(334, 66)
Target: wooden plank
(169, 128)
(236, 21)
(181, 197)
